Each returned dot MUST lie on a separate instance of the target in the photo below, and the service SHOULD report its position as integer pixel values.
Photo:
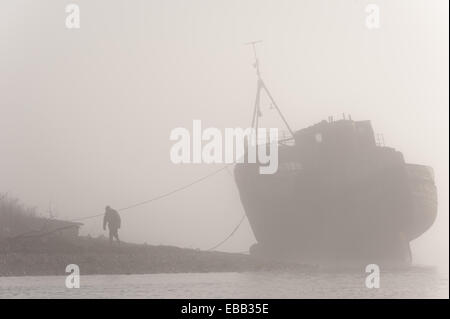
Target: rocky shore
(96, 256)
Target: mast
(261, 86)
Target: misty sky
(85, 115)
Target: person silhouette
(112, 219)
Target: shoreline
(98, 257)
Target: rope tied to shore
(156, 198)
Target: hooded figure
(112, 218)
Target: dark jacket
(112, 218)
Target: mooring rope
(167, 194)
(176, 190)
(229, 236)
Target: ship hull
(367, 208)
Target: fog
(86, 114)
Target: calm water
(417, 282)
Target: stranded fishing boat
(339, 195)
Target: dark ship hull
(338, 197)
